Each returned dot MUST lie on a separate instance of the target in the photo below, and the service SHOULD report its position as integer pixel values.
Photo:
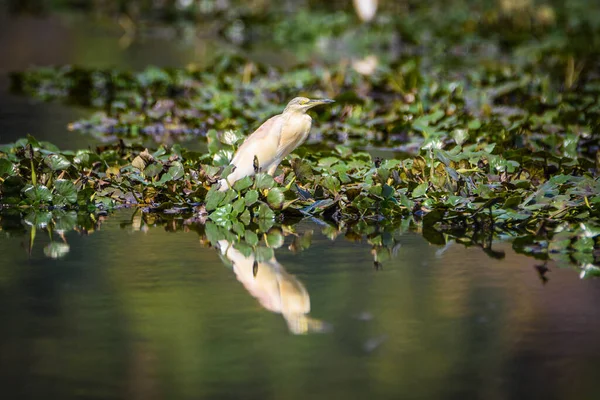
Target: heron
(365, 9)
(277, 137)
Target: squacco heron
(277, 137)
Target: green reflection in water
(137, 311)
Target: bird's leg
(272, 169)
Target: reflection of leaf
(56, 250)
(301, 243)
(214, 233)
(39, 219)
(64, 221)
(274, 239)
(433, 236)
(264, 254)
(251, 238)
(244, 248)
(38, 194)
(432, 218)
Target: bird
(365, 9)
(277, 137)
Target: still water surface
(157, 315)
(154, 314)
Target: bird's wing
(262, 143)
(293, 132)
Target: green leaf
(176, 171)
(153, 170)
(213, 199)
(238, 227)
(222, 216)
(264, 212)
(6, 167)
(420, 190)
(242, 184)
(275, 198)
(327, 162)
(239, 206)
(245, 217)
(231, 137)
(331, 183)
(230, 195)
(460, 136)
(264, 181)
(265, 216)
(57, 162)
(474, 124)
(66, 192)
(251, 197)
(387, 192)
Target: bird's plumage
(272, 141)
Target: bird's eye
(303, 101)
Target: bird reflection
(274, 288)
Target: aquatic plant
(483, 124)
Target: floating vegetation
(456, 191)
(466, 135)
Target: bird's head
(303, 104)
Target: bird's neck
(296, 114)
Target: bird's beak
(317, 102)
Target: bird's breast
(293, 134)
(301, 127)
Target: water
(155, 314)
(138, 311)
(59, 39)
